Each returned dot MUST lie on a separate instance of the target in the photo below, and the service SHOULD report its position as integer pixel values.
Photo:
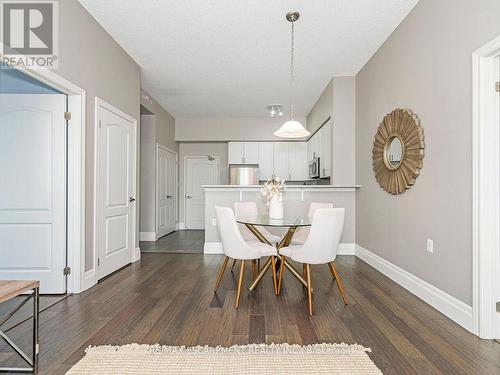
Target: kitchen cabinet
(281, 160)
(266, 160)
(287, 160)
(243, 152)
(251, 152)
(297, 161)
(325, 153)
(320, 145)
(290, 160)
(235, 154)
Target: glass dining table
(291, 222)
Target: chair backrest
(315, 205)
(324, 237)
(232, 241)
(246, 209)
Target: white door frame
(176, 184)
(186, 157)
(486, 189)
(75, 176)
(136, 254)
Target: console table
(10, 289)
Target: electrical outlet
(214, 222)
(430, 245)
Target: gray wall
(229, 129)
(322, 109)
(165, 122)
(201, 149)
(426, 66)
(91, 59)
(343, 131)
(148, 174)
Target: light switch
(214, 222)
(430, 245)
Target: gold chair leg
(221, 273)
(330, 265)
(273, 267)
(339, 283)
(254, 269)
(234, 263)
(309, 291)
(240, 281)
(282, 269)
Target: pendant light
(292, 128)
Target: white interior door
(33, 189)
(116, 191)
(166, 191)
(199, 171)
(497, 281)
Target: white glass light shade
(292, 129)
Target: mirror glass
(393, 153)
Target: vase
(276, 207)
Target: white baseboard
(346, 249)
(89, 279)
(137, 255)
(451, 307)
(213, 248)
(147, 236)
(180, 226)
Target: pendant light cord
(292, 91)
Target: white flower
(272, 187)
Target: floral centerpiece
(273, 192)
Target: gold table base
(285, 241)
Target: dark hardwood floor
(181, 241)
(169, 299)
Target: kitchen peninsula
(296, 200)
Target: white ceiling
(230, 58)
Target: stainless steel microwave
(314, 168)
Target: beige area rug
(239, 359)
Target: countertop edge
(287, 187)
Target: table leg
(36, 312)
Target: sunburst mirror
(398, 151)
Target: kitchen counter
(296, 201)
(288, 187)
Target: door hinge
(67, 116)
(98, 261)
(497, 86)
(66, 271)
(100, 124)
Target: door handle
(188, 197)
(169, 196)
(131, 199)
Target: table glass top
(264, 220)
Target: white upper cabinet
(281, 160)
(297, 161)
(288, 160)
(326, 149)
(243, 152)
(235, 153)
(320, 145)
(266, 160)
(251, 152)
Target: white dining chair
(320, 247)
(300, 235)
(237, 248)
(249, 209)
